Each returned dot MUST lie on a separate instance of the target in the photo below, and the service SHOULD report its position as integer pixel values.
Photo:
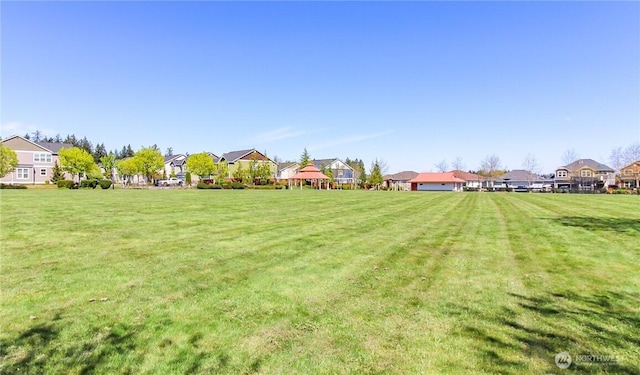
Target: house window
(628, 172)
(22, 173)
(561, 174)
(585, 173)
(42, 157)
(43, 172)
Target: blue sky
(411, 83)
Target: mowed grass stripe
(310, 282)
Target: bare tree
(570, 156)
(442, 166)
(458, 164)
(632, 153)
(491, 166)
(530, 164)
(37, 136)
(617, 159)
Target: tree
(37, 136)
(169, 151)
(187, 178)
(108, 163)
(8, 160)
(530, 164)
(223, 170)
(253, 167)
(86, 145)
(56, 173)
(632, 153)
(491, 166)
(99, 152)
(570, 156)
(75, 161)
(617, 159)
(442, 166)
(127, 168)
(375, 178)
(201, 165)
(239, 174)
(149, 161)
(363, 173)
(305, 158)
(457, 164)
(327, 171)
(264, 171)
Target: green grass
(317, 282)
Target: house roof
(235, 155)
(589, 163)
(467, 176)
(282, 166)
(520, 175)
(437, 178)
(53, 147)
(310, 172)
(170, 158)
(320, 163)
(400, 176)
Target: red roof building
(312, 173)
(446, 181)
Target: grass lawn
(281, 282)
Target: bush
(226, 185)
(105, 184)
(237, 185)
(202, 185)
(86, 184)
(67, 184)
(15, 187)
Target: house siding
(25, 151)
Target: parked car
(173, 181)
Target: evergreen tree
(305, 158)
(129, 152)
(99, 152)
(56, 173)
(363, 174)
(376, 174)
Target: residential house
(584, 174)
(287, 170)
(341, 172)
(244, 158)
(175, 165)
(446, 181)
(522, 180)
(399, 181)
(630, 175)
(472, 180)
(35, 160)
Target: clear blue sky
(411, 83)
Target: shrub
(237, 185)
(67, 184)
(202, 185)
(215, 186)
(89, 184)
(105, 184)
(15, 187)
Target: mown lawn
(281, 282)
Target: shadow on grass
(613, 224)
(42, 349)
(564, 322)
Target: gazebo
(310, 172)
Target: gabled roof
(467, 176)
(45, 146)
(519, 175)
(400, 176)
(234, 156)
(445, 177)
(283, 166)
(320, 163)
(589, 163)
(170, 158)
